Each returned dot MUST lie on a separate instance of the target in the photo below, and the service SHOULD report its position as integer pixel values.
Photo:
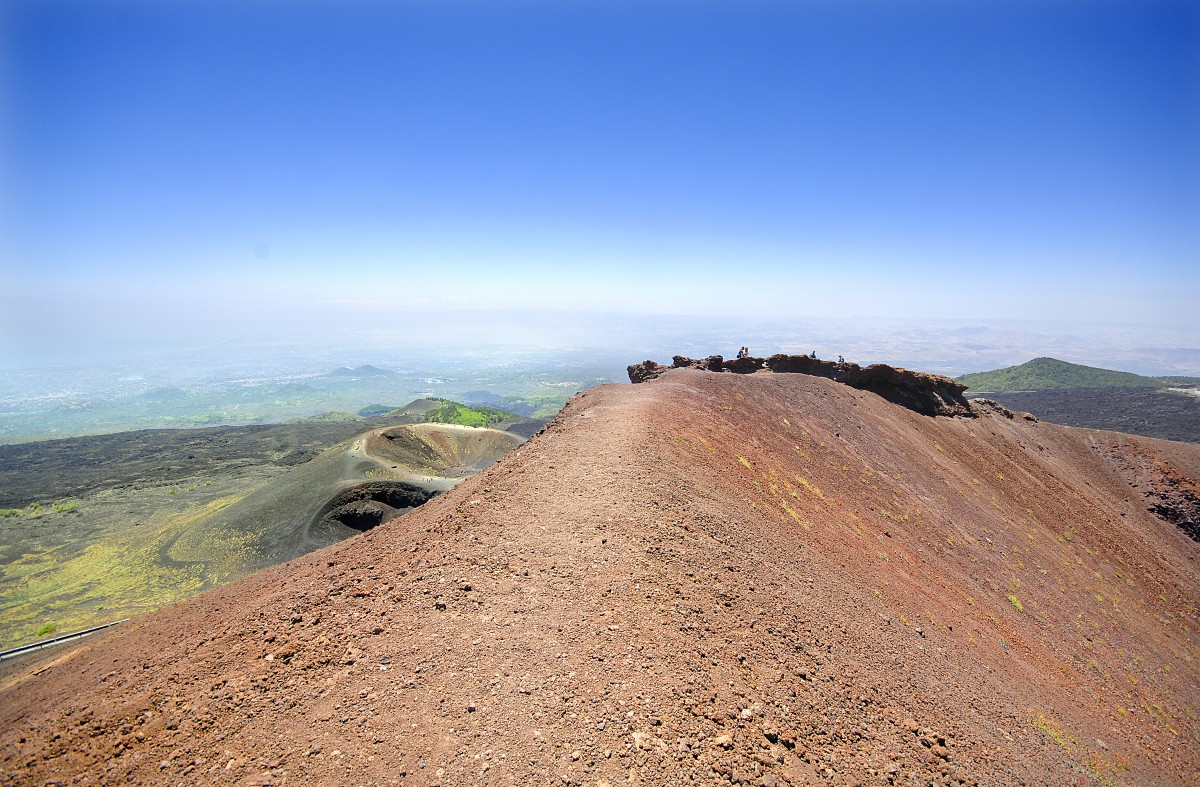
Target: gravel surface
(706, 578)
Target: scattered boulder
(745, 365)
(647, 370)
(713, 363)
(993, 405)
(801, 364)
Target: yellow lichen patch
(804, 483)
(745, 462)
(1055, 731)
(136, 570)
(1105, 771)
(791, 512)
(133, 581)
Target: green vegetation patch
(73, 586)
(455, 413)
(107, 581)
(1043, 374)
(36, 509)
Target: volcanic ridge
(843, 576)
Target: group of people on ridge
(744, 352)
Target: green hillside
(455, 413)
(1042, 374)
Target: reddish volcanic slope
(763, 578)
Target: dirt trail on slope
(761, 579)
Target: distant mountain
(510, 404)
(1042, 374)
(482, 397)
(362, 371)
(372, 410)
(326, 417)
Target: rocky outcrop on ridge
(928, 394)
(648, 370)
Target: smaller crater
(368, 505)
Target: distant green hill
(1042, 374)
(455, 413)
(435, 409)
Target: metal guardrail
(49, 643)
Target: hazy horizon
(183, 175)
(944, 346)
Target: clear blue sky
(996, 159)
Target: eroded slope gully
(763, 578)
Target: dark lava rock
(928, 394)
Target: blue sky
(207, 163)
